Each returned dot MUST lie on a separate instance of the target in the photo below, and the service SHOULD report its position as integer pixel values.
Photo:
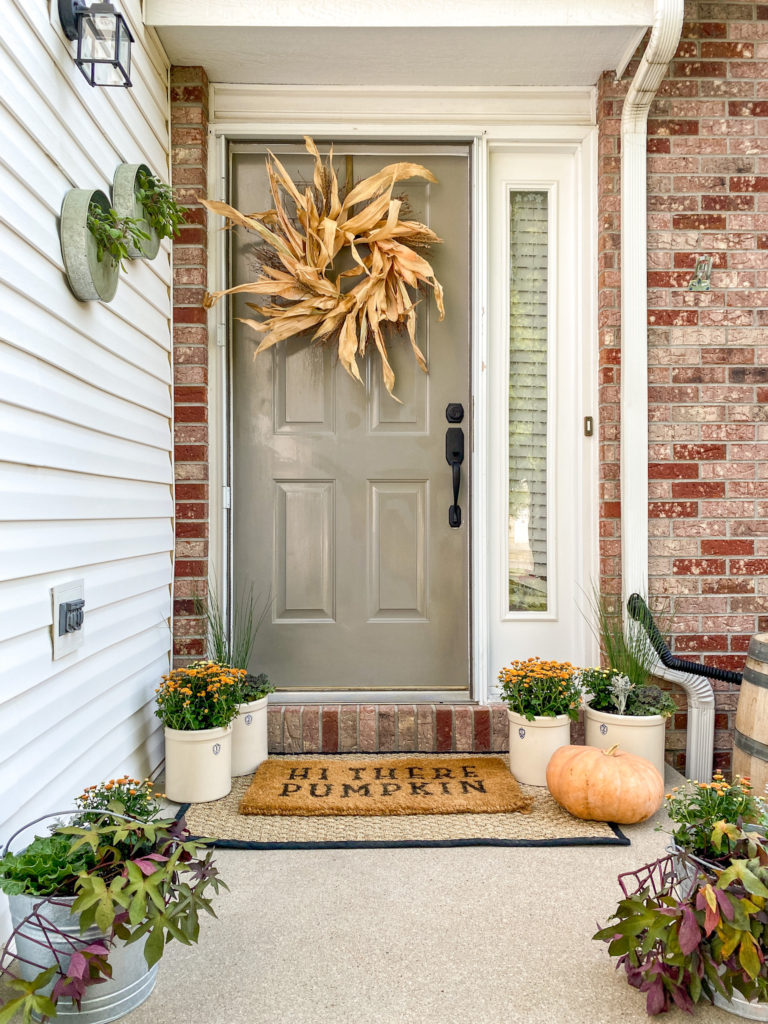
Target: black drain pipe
(641, 613)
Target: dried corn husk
(298, 271)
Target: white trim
(397, 13)
(342, 124)
(668, 21)
(470, 107)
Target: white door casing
(558, 631)
(490, 134)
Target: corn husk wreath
(296, 262)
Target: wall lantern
(103, 41)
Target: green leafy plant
(710, 816)
(161, 210)
(204, 695)
(680, 950)
(251, 688)
(606, 689)
(48, 866)
(113, 234)
(536, 688)
(132, 879)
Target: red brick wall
(708, 362)
(189, 157)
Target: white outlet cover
(67, 642)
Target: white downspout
(665, 36)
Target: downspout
(665, 36)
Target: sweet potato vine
(305, 238)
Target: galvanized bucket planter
(89, 278)
(131, 982)
(126, 204)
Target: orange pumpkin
(605, 785)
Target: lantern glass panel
(97, 35)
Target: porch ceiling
(406, 42)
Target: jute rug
(330, 786)
(547, 825)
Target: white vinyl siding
(85, 425)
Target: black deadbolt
(454, 412)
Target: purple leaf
(78, 966)
(689, 932)
(146, 866)
(657, 998)
(682, 999)
(725, 904)
(97, 948)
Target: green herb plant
(113, 234)
(161, 211)
(536, 688)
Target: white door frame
(482, 124)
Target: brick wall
(189, 157)
(334, 728)
(708, 362)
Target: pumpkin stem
(611, 751)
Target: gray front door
(341, 495)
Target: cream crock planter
(249, 737)
(531, 744)
(198, 764)
(643, 735)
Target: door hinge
(226, 497)
(589, 426)
(221, 334)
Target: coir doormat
(546, 825)
(380, 786)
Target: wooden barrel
(750, 737)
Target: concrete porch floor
(475, 935)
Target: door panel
(341, 495)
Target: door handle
(454, 456)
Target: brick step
(374, 728)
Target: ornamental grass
(541, 689)
(203, 695)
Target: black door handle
(454, 456)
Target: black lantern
(103, 41)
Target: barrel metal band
(758, 649)
(750, 747)
(756, 678)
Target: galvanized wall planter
(89, 278)
(126, 204)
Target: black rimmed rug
(546, 824)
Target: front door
(340, 495)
